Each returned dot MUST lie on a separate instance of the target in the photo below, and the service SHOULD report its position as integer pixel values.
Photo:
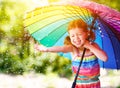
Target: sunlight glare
(39, 3)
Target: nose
(76, 37)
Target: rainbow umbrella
(48, 25)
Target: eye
(79, 34)
(72, 35)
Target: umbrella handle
(74, 83)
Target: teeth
(77, 42)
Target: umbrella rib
(57, 9)
(78, 13)
(109, 33)
(113, 35)
(114, 53)
(85, 16)
(111, 43)
(61, 34)
(86, 19)
(52, 22)
(114, 23)
(113, 32)
(103, 49)
(68, 13)
(112, 29)
(83, 12)
(111, 20)
(89, 20)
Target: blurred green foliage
(111, 3)
(16, 46)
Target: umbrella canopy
(48, 25)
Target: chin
(78, 46)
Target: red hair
(79, 23)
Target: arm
(65, 49)
(94, 48)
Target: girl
(78, 39)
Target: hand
(87, 44)
(40, 48)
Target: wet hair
(67, 40)
(79, 23)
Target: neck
(81, 48)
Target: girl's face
(78, 36)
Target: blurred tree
(18, 55)
(11, 22)
(14, 40)
(4, 18)
(2, 34)
(111, 3)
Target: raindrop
(102, 35)
(100, 31)
(99, 27)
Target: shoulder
(95, 45)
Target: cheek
(71, 39)
(84, 37)
(72, 42)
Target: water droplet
(99, 27)
(100, 31)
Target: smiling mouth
(77, 42)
